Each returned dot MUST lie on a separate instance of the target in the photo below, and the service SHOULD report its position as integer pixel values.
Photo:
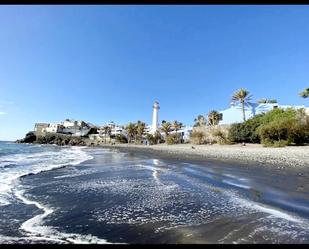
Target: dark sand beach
(130, 196)
(292, 164)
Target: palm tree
(177, 126)
(166, 128)
(107, 131)
(140, 129)
(305, 93)
(131, 130)
(243, 97)
(200, 121)
(214, 117)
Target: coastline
(283, 168)
(88, 197)
(159, 204)
(292, 157)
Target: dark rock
(58, 139)
(29, 138)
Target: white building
(115, 130)
(234, 114)
(53, 128)
(76, 128)
(155, 117)
(71, 127)
(39, 128)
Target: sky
(102, 63)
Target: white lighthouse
(155, 122)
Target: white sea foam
(159, 199)
(269, 210)
(35, 229)
(24, 164)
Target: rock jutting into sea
(58, 139)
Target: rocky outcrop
(29, 138)
(57, 139)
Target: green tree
(140, 129)
(166, 128)
(154, 138)
(305, 93)
(243, 97)
(177, 126)
(199, 121)
(214, 117)
(131, 130)
(107, 131)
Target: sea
(85, 195)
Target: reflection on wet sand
(129, 199)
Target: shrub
(270, 143)
(274, 131)
(172, 139)
(238, 133)
(275, 128)
(246, 131)
(154, 138)
(221, 137)
(283, 132)
(299, 133)
(198, 137)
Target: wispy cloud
(7, 102)
(3, 104)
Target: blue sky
(103, 63)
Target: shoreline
(273, 166)
(290, 158)
(80, 191)
(99, 184)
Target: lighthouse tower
(155, 122)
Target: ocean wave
(14, 166)
(35, 229)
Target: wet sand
(287, 157)
(286, 168)
(136, 196)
